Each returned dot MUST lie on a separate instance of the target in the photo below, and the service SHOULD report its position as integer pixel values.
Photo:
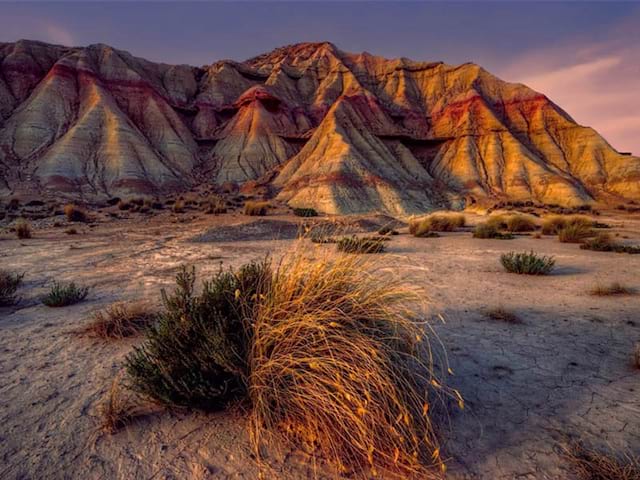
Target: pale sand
(567, 370)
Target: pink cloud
(597, 83)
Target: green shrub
(196, 353)
(527, 263)
(574, 233)
(23, 229)
(488, 230)
(75, 214)
(256, 209)
(64, 294)
(361, 245)
(9, 284)
(305, 212)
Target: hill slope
(336, 131)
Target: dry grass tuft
(256, 209)
(574, 233)
(489, 230)
(120, 407)
(361, 244)
(335, 368)
(9, 284)
(552, 224)
(501, 314)
(590, 464)
(23, 229)
(521, 223)
(75, 214)
(615, 288)
(436, 222)
(120, 320)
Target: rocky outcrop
(339, 132)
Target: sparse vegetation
(387, 230)
(501, 314)
(71, 231)
(305, 212)
(326, 352)
(120, 320)
(64, 294)
(361, 245)
(9, 284)
(604, 243)
(436, 222)
(614, 288)
(488, 230)
(23, 229)
(214, 205)
(178, 206)
(256, 209)
(552, 224)
(321, 238)
(74, 213)
(591, 464)
(574, 233)
(520, 223)
(528, 263)
(120, 407)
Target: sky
(585, 56)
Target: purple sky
(585, 56)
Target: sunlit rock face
(339, 132)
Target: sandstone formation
(340, 132)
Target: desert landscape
(309, 264)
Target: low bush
(501, 314)
(64, 294)
(9, 284)
(256, 209)
(361, 245)
(574, 233)
(488, 230)
(75, 214)
(528, 263)
(603, 242)
(305, 212)
(120, 320)
(71, 231)
(614, 288)
(214, 205)
(23, 229)
(196, 353)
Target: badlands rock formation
(340, 132)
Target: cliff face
(336, 131)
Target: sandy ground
(566, 370)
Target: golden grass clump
(590, 464)
(521, 223)
(335, 366)
(574, 233)
(120, 407)
(256, 209)
(75, 213)
(436, 222)
(552, 224)
(120, 320)
(614, 288)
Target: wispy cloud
(596, 82)
(20, 26)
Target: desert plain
(564, 370)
